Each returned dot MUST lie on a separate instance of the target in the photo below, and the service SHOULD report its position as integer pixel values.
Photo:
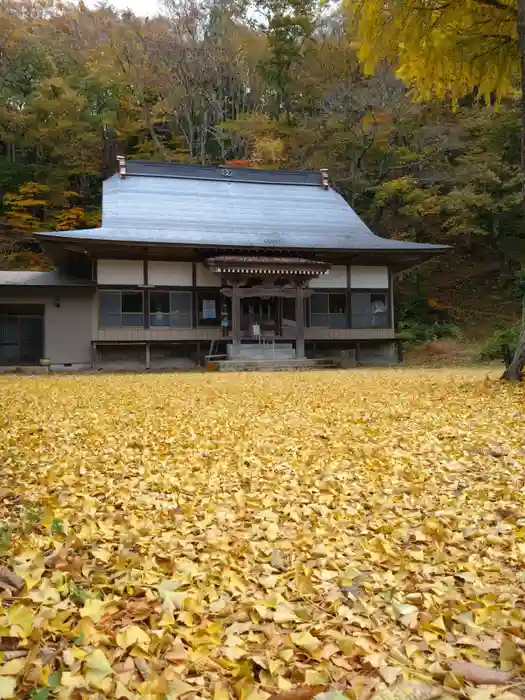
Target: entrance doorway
(21, 334)
(262, 312)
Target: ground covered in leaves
(233, 536)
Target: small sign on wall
(209, 309)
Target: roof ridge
(146, 168)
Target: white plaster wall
(369, 277)
(120, 272)
(169, 274)
(335, 279)
(207, 278)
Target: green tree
(289, 29)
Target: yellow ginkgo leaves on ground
(234, 536)
(7, 687)
(132, 635)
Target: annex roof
(34, 278)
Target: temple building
(199, 261)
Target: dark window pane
(378, 302)
(109, 302)
(380, 320)
(159, 302)
(8, 329)
(21, 339)
(361, 303)
(110, 321)
(337, 303)
(319, 303)
(180, 316)
(159, 319)
(9, 354)
(132, 302)
(288, 311)
(180, 302)
(337, 321)
(179, 320)
(31, 339)
(378, 305)
(319, 320)
(133, 320)
(369, 310)
(109, 309)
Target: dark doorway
(21, 334)
(263, 312)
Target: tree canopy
(276, 83)
(442, 48)
(450, 49)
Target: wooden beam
(194, 296)
(236, 320)
(145, 294)
(299, 323)
(248, 292)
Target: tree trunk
(515, 369)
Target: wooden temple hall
(196, 261)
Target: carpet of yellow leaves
(232, 536)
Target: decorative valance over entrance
(255, 265)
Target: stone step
(266, 348)
(278, 355)
(258, 351)
(272, 365)
(266, 344)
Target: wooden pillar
(299, 323)
(236, 320)
(148, 356)
(399, 344)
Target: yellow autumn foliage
(441, 49)
(231, 536)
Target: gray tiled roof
(32, 278)
(232, 214)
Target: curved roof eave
(106, 235)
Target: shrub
(496, 342)
(414, 332)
